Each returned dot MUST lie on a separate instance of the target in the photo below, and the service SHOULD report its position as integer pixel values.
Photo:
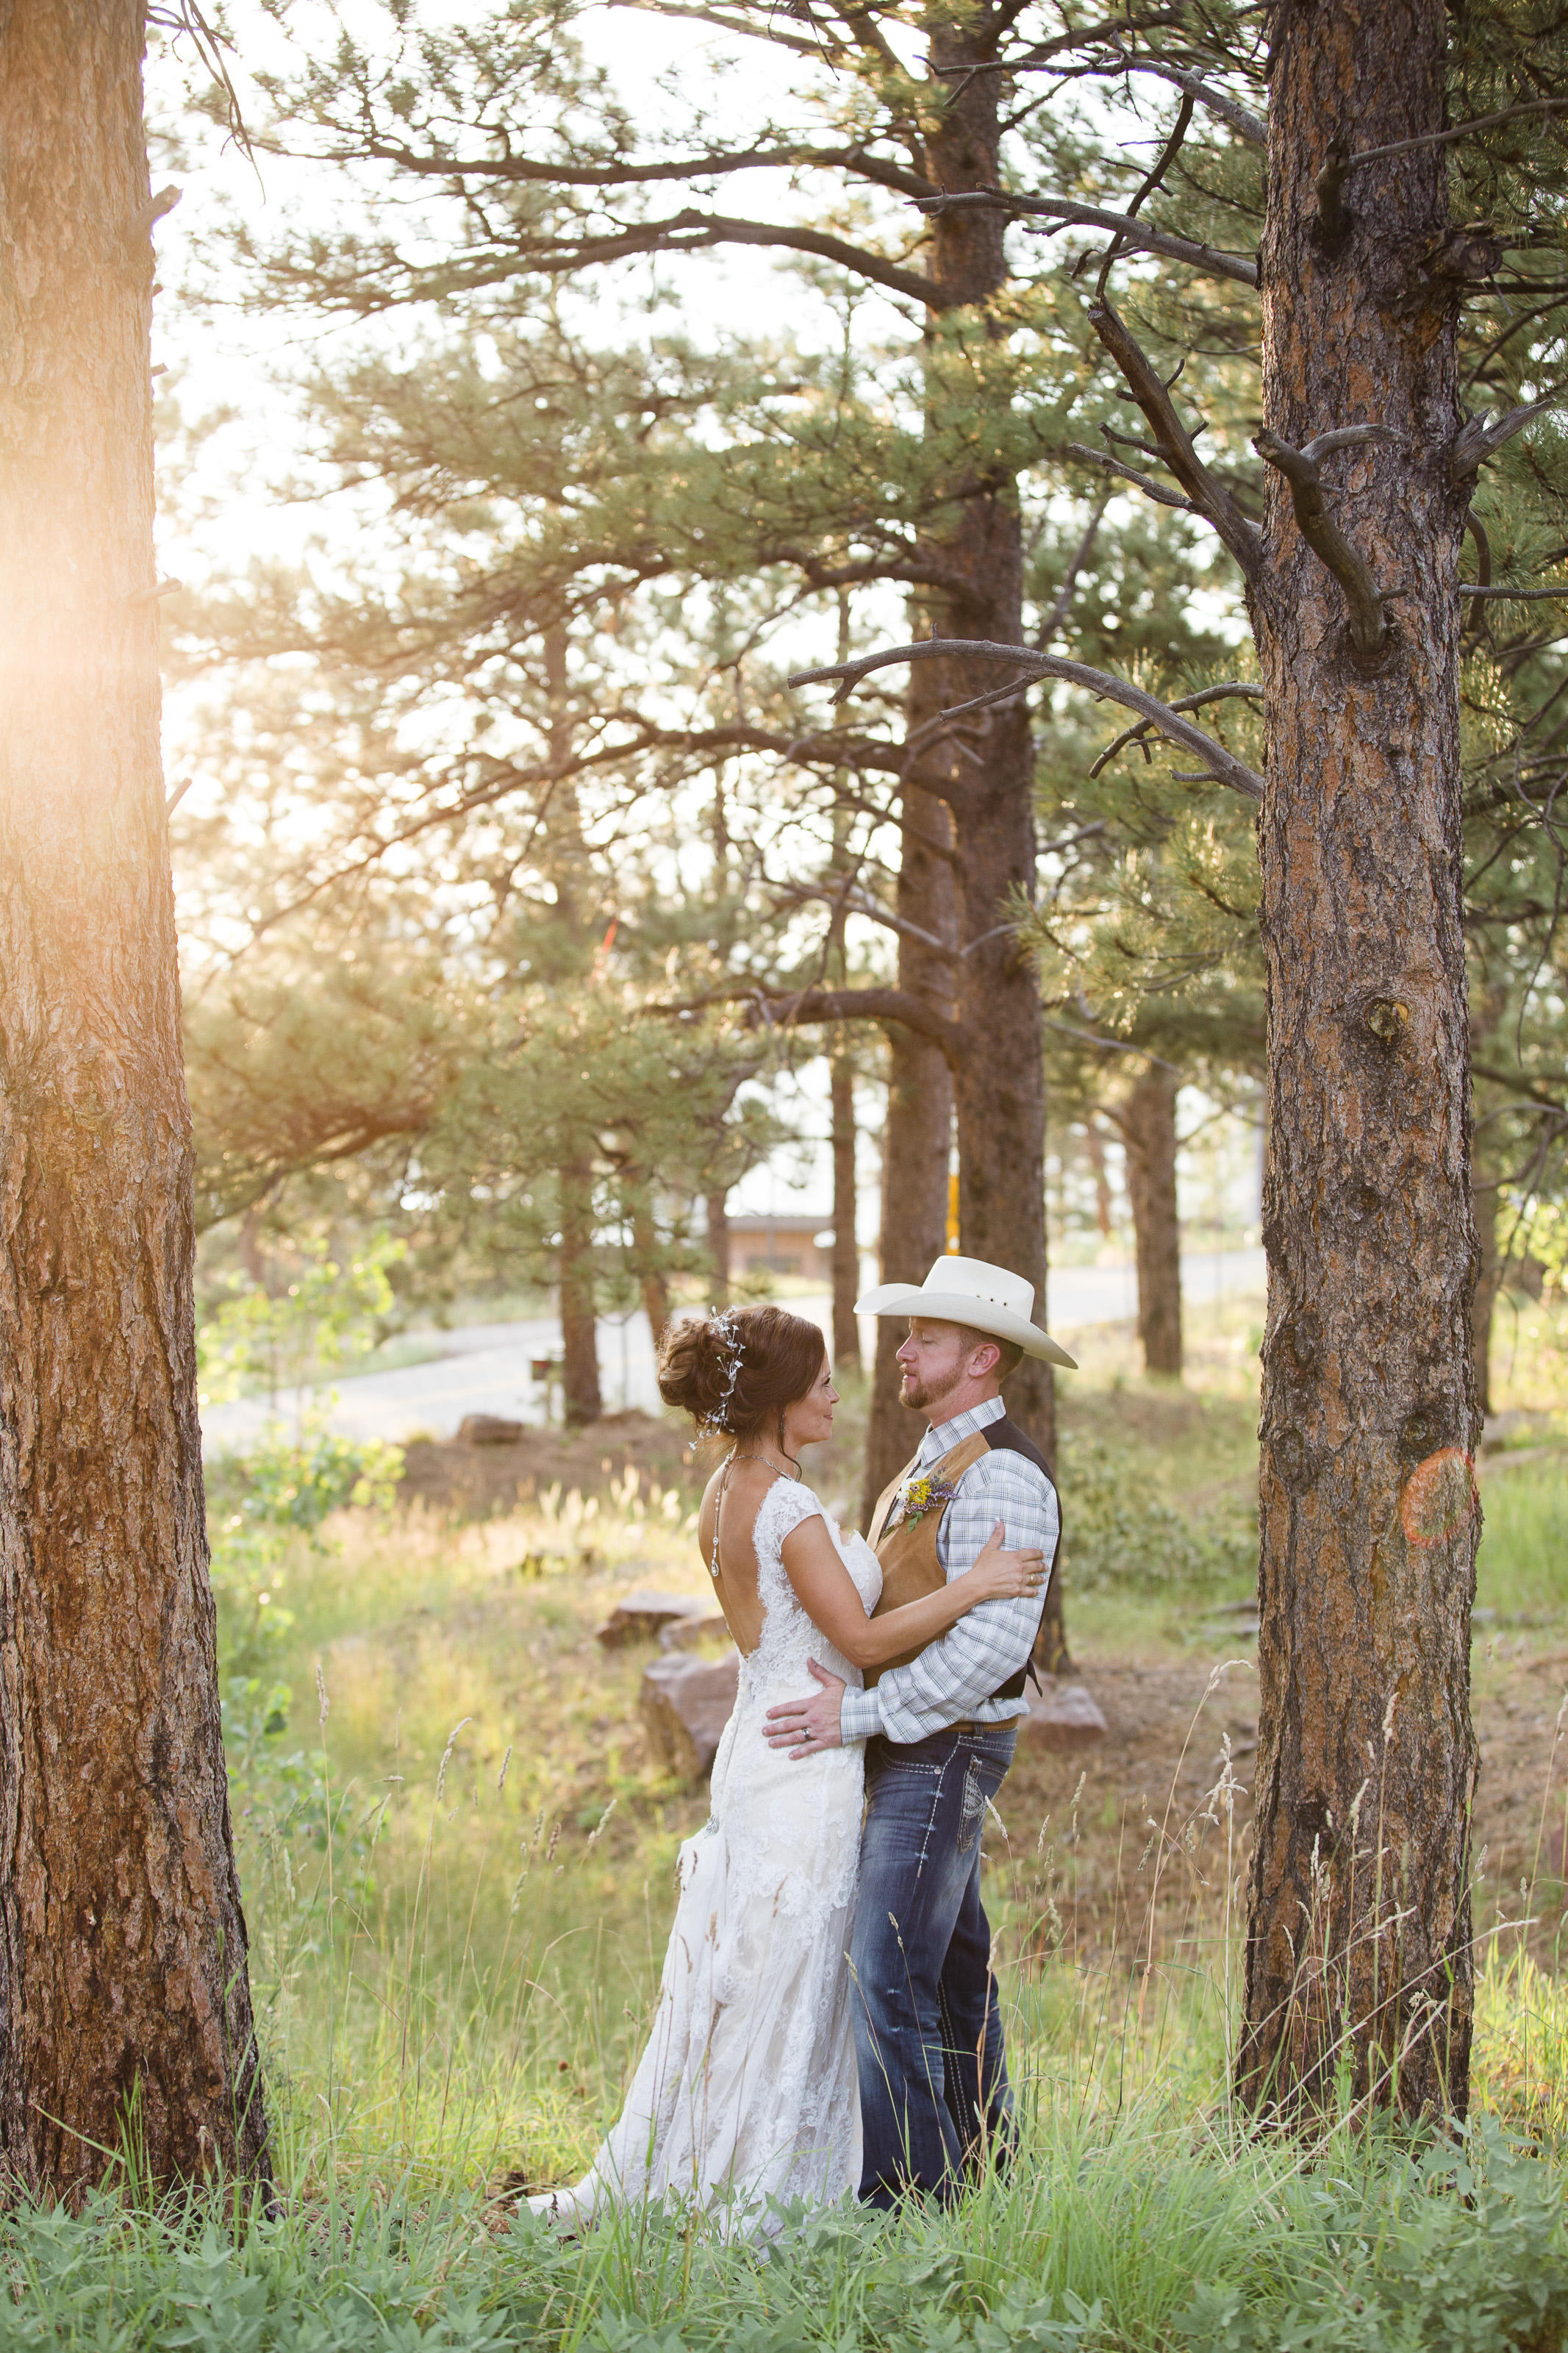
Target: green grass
(457, 1861)
(1153, 2227)
(1522, 1571)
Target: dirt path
(1162, 1754)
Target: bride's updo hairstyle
(736, 1370)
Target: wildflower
(924, 1493)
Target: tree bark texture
(1359, 1958)
(986, 760)
(1149, 1130)
(652, 1281)
(917, 1139)
(846, 1249)
(123, 1984)
(983, 765)
(579, 1330)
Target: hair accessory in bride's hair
(725, 1332)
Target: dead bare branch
(1368, 621)
(1211, 499)
(1067, 212)
(1098, 682)
(1241, 118)
(1476, 441)
(1145, 482)
(1139, 731)
(1062, 603)
(1460, 130)
(1475, 619)
(1152, 180)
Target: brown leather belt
(971, 1726)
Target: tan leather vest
(910, 1566)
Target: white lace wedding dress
(746, 2092)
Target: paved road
(485, 1368)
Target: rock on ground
(685, 1703)
(638, 1617)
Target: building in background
(798, 1245)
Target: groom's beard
(923, 1396)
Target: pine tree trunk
(917, 1138)
(122, 1943)
(717, 1206)
(651, 1280)
(579, 1334)
(846, 1249)
(1096, 1143)
(987, 759)
(1359, 1953)
(1148, 1126)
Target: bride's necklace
(793, 1459)
(737, 1457)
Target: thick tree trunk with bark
(1095, 1146)
(1149, 1129)
(846, 1249)
(651, 1278)
(122, 1945)
(1359, 1953)
(579, 1334)
(917, 1137)
(985, 760)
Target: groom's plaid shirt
(954, 1676)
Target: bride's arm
(825, 1591)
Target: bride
(745, 2092)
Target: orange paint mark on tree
(1439, 1498)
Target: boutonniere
(924, 1492)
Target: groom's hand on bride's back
(806, 1726)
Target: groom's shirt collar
(943, 1436)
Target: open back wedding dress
(745, 2092)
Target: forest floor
(1171, 1667)
(456, 1841)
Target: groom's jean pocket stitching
(931, 1773)
(972, 1812)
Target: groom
(939, 1728)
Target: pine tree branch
(900, 1007)
(768, 31)
(1138, 733)
(1211, 499)
(1100, 684)
(1145, 482)
(715, 163)
(1368, 621)
(559, 256)
(1062, 603)
(1067, 212)
(1460, 130)
(1476, 441)
(1241, 118)
(803, 1008)
(861, 903)
(1152, 180)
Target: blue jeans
(928, 2032)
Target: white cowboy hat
(971, 1291)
